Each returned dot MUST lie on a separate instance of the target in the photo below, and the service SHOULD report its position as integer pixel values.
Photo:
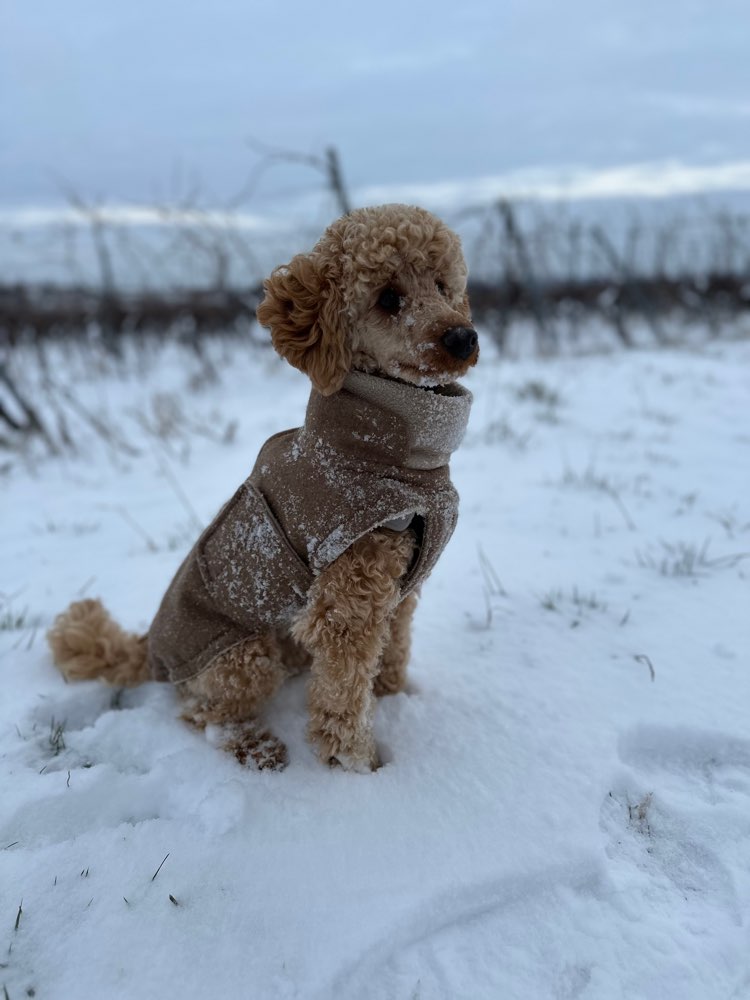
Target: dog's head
(383, 291)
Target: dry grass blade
(106, 432)
(160, 866)
(180, 493)
(56, 736)
(129, 519)
(491, 587)
(491, 579)
(591, 480)
(642, 658)
(687, 559)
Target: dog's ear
(305, 314)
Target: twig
(34, 422)
(516, 240)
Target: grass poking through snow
(589, 479)
(686, 559)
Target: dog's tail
(86, 643)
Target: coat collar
(384, 420)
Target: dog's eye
(390, 300)
(440, 285)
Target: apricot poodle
(318, 557)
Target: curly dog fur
(376, 294)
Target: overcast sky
(133, 100)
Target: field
(564, 807)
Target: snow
(564, 808)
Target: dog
(317, 560)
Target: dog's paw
(195, 713)
(256, 747)
(350, 762)
(351, 751)
(386, 684)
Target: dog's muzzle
(460, 342)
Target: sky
(162, 100)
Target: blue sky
(140, 101)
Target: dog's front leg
(345, 626)
(391, 675)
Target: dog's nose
(460, 341)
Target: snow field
(564, 807)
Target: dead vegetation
(686, 559)
(618, 298)
(544, 277)
(50, 405)
(554, 274)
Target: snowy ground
(565, 805)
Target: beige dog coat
(375, 454)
